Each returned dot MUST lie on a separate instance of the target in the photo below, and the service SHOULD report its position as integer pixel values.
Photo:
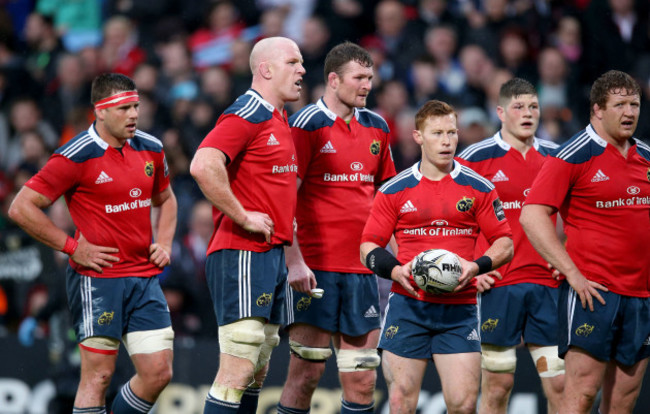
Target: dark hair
(432, 109)
(107, 84)
(343, 53)
(513, 88)
(613, 81)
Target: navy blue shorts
(113, 307)
(416, 329)
(246, 284)
(526, 310)
(618, 330)
(350, 304)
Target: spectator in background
(473, 126)
(69, 90)
(567, 38)
(314, 47)
(515, 54)
(176, 71)
(392, 97)
(78, 22)
(441, 43)
(43, 48)
(120, 51)
(215, 85)
(25, 116)
(294, 15)
(400, 41)
(478, 68)
(423, 82)
(405, 151)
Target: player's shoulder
(251, 107)
(545, 147)
(145, 142)
(642, 148)
(408, 178)
(483, 150)
(370, 119)
(311, 118)
(465, 176)
(581, 148)
(83, 147)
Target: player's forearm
(35, 222)
(293, 255)
(540, 230)
(209, 171)
(166, 223)
(501, 252)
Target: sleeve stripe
(642, 144)
(574, 147)
(475, 175)
(399, 177)
(148, 137)
(77, 146)
(472, 149)
(304, 117)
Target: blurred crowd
(189, 60)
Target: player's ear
(265, 70)
(501, 113)
(417, 137)
(333, 80)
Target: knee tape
(101, 345)
(547, 362)
(498, 358)
(148, 342)
(308, 353)
(352, 360)
(271, 340)
(243, 339)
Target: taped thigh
(547, 361)
(101, 345)
(243, 338)
(308, 353)
(148, 342)
(352, 360)
(271, 340)
(501, 359)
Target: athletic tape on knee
(498, 358)
(271, 340)
(352, 360)
(308, 353)
(101, 345)
(243, 338)
(148, 342)
(547, 362)
(223, 393)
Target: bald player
(246, 167)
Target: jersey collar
(321, 105)
(415, 169)
(506, 147)
(95, 136)
(594, 136)
(256, 95)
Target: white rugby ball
(436, 271)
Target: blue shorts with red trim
(113, 307)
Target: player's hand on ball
(159, 255)
(257, 222)
(470, 270)
(93, 256)
(301, 278)
(402, 275)
(485, 281)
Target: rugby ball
(436, 271)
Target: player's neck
(268, 95)
(341, 110)
(107, 137)
(621, 144)
(521, 145)
(435, 172)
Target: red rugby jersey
(108, 193)
(512, 175)
(446, 214)
(604, 201)
(339, 165)
(262, 171)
